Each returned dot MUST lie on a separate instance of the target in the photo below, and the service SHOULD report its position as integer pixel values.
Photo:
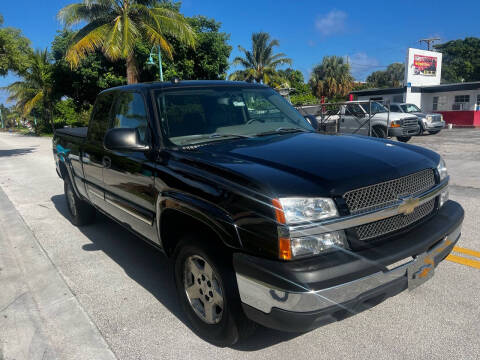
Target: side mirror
(313, 121)
(123, 139)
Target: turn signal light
(393, 125)
(284, 249)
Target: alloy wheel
(203, 289)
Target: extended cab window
(130, 112)
(100, 117)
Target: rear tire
(81, 213)
(404, 139)
(213, 274)
(379, 132)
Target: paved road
(125, 287)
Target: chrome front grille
(410, 122)
(388, 193)
(394, 223)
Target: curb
(40, 318)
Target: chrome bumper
(263, 297)
(437, 125)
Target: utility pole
(428, 41)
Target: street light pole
(151, 62)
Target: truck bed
(80, 132)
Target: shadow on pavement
(16, 152)
(152, 270)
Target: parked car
(433, 123)
(266, 220)
(353, 118)
(383, 123)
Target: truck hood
(393, 116)
(311, 164)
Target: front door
(129, 175)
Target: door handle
(107, 162)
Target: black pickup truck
(267, 220)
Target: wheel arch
(176, 217)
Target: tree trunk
(132, 70)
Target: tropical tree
(259, 64)
(14, 50)
(34, 91)
(393, 76)
(461, 59)
(115, 26)
(331, 78)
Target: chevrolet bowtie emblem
(408, 206)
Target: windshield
(410, 108)
(192, 116)
(376, 107)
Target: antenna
(429, 41)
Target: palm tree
(260, 64)
(115, 26)
(331, 78)
(35, 90)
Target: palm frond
(86, 41)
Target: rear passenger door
(129, 176)
(92, 157)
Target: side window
(130, 112)
(354, 109)
(394, 108)
(100, 117)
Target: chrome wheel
(204, 289)
(71, 201)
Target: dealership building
(459, 103)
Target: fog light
(316, 244)
(443, 197)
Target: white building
(458, 103)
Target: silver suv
(432, 123)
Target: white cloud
(331, 23)
(362, 65)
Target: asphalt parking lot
(119, 299)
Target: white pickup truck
(353, 118)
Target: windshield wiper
(281, 130)
(240, 136)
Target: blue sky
(372, 34)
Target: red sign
(425, 65)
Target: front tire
(208, 294)
(379, 132)
(404, 139)
(81, 213)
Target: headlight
(442, 169)
(429, 118)
(299, 210)
(290, 211)
(316, 244)
(396, 123)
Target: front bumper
(404, 131)
(437, 125)
(301, 295)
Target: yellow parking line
(463, 261)
(466, 251)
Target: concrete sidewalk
(40, 318)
